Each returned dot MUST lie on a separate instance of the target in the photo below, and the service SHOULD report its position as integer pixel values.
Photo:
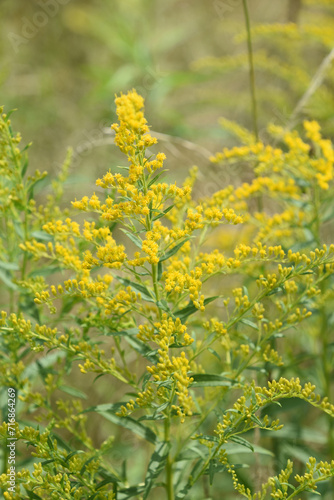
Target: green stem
(327, 371)
(252, 86)
(26, 236)
(155, 286)
(326, 364)
(251, 71)
(169, 466)
(317, 221)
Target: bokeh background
(64, 60)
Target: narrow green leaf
(207, 437)
(69, 303)
(184, 313)
(73, 392)
(173, 250)
(44, 271)
(83, 468)
(108, 480)
(256, 420)
(70, 455)
(25, 166)
(159, 271)
(235, 448)
(121, 333)
(46, 462)
(242, 442)
(131, 492)
(9, 266)
(124, 474)
(156, 466)
(142, 348)
(139, 346)
(152, 181)
(162, 214)
(32, 186)
(137, 241)
(7, 281)
(33, 495)
(47, 361)
(50, 443)
(210, 380)
(183, 493)
(253, 397)
(93, 496)
(250, 323)
(214, 467)
(128, 423)
(41, 235)
(278, 289)
(214, 353)
(8, 115)
(110, 407)
(310, 490)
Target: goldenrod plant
(162, 346)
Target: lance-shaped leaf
(181, 494)
(131, 492)
(210, 380)
(184, 313)
(156, 465)
(135, 239)
(162, 214)
(108, 412)
(173, 250)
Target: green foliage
(165, 341)
(195, 351)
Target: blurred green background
(64, 60)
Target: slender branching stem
(251, 71)
(169, 465)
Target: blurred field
(63, 63)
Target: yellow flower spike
(132, 125)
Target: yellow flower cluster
(59, 228)
(69, 257)
(170, 333)
(272, 356)
(282, 173)
(90, 232)
(177, 282)
(208, 214)
(185, 402)
(241, 300)
(132, 130)
(111, 254)
(240, 418)
(120, 303)
(84, 287)
(279, 225)
(212, 262)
